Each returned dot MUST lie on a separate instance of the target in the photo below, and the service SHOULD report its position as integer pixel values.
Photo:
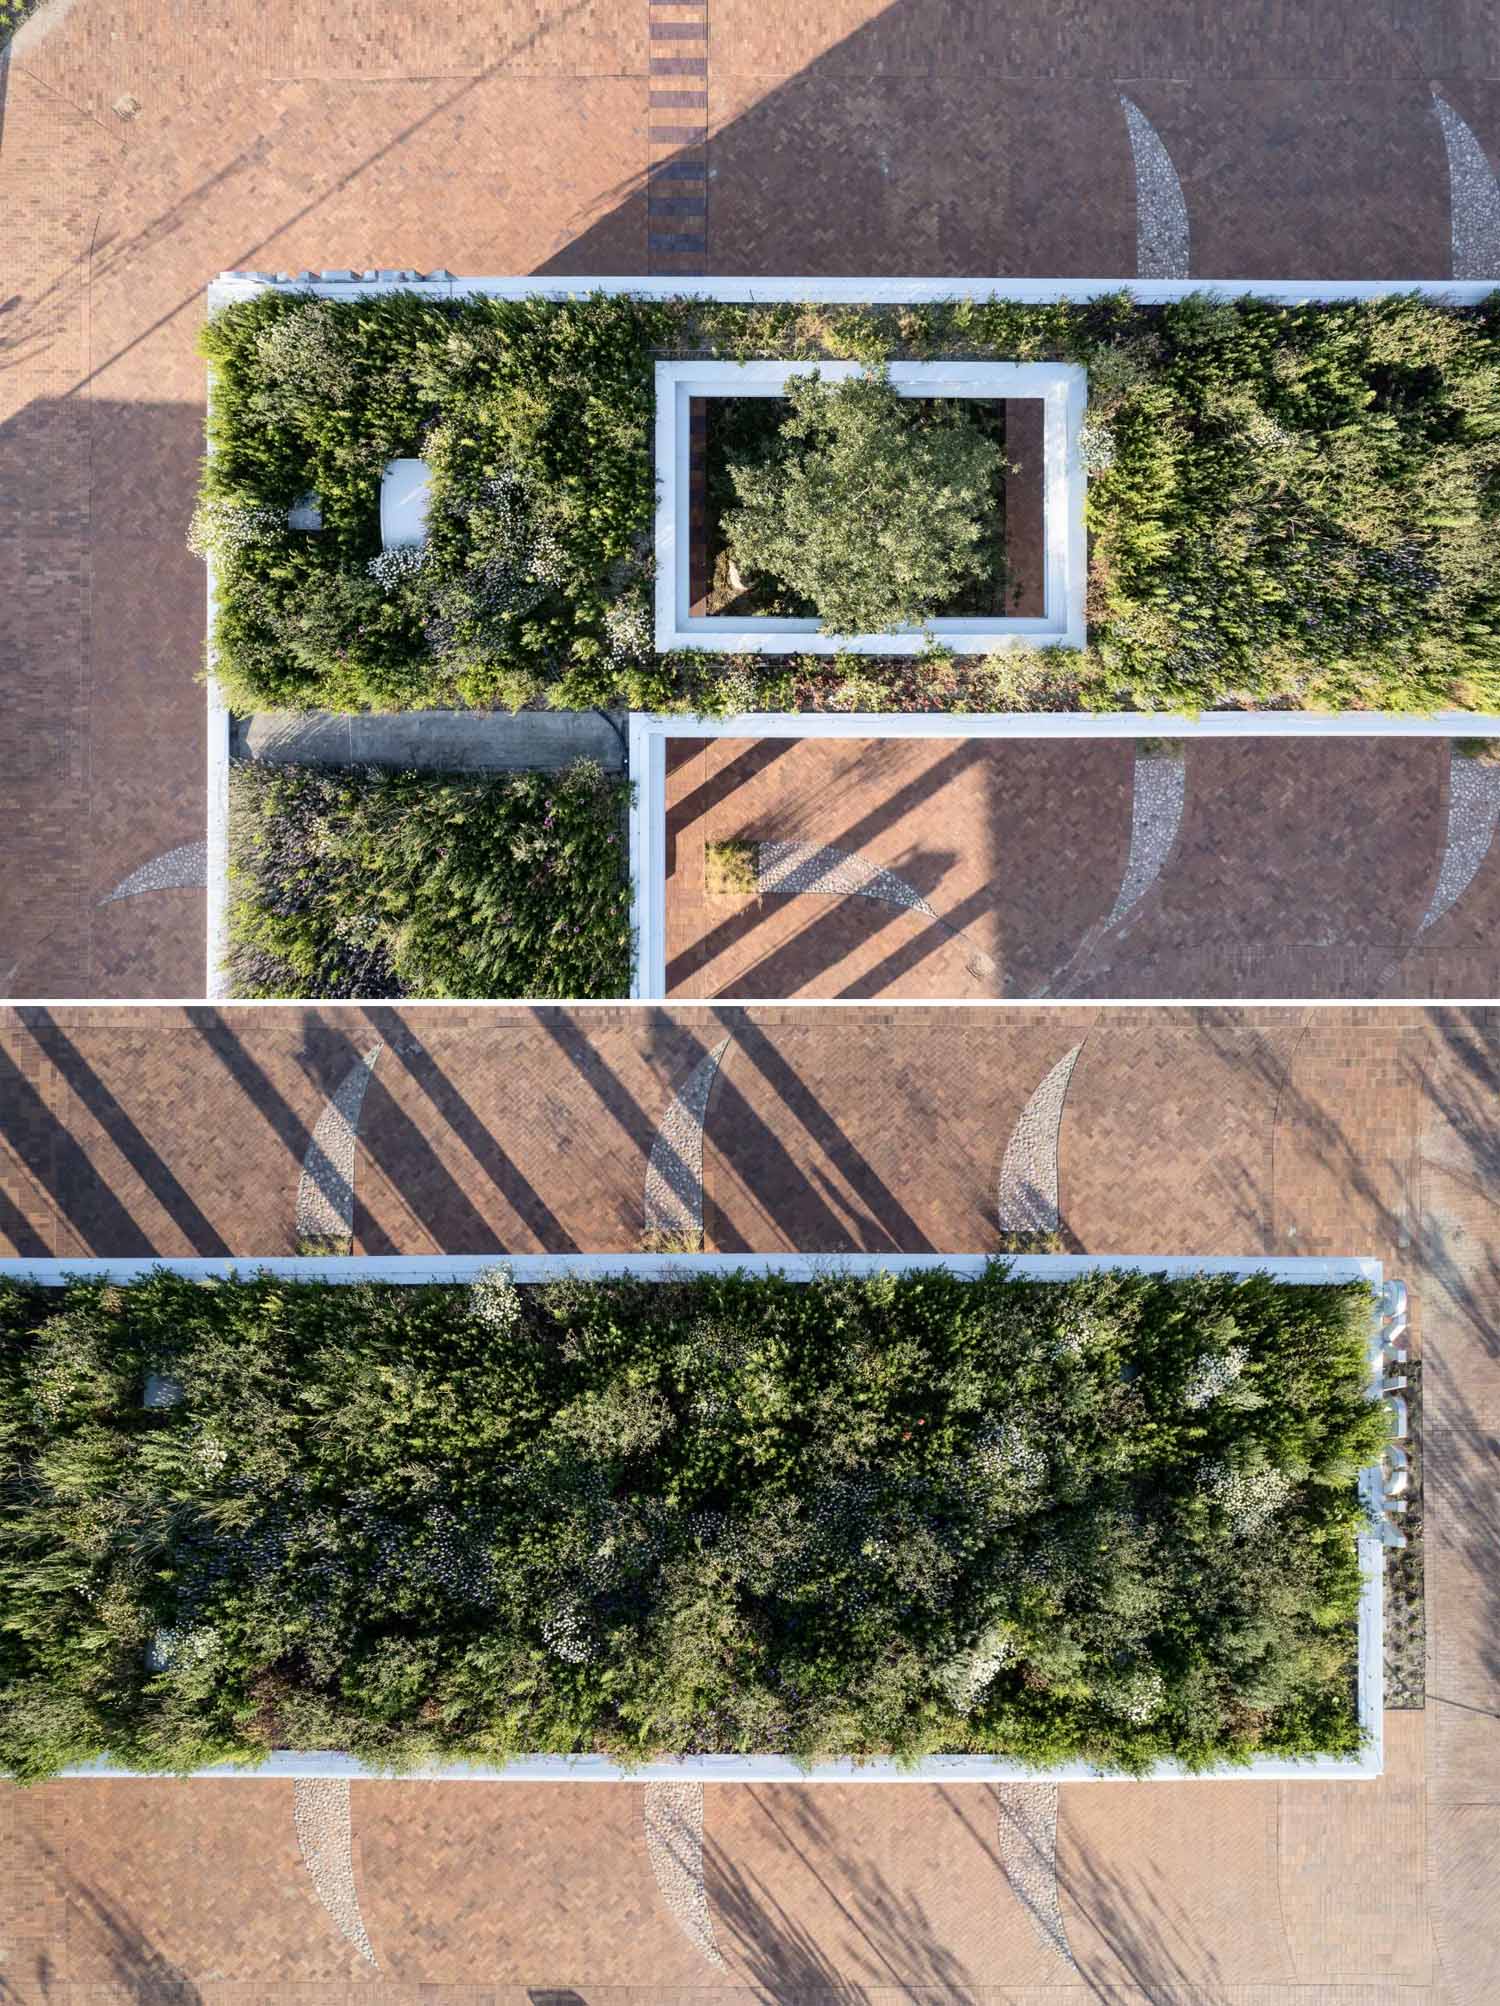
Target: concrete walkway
(455, 741)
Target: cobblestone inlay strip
(673, 1816)
(1473, 197)
(325, 1190)
(1028, 1198)
(1473, 808)
(1158, 793)
(320, 1811)
(806, 867)
(1161, 218)
(173, 869)
(1028, 1856)
(674, 1169)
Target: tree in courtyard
(871, 505)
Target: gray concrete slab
(451, 740)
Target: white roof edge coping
(911, 291)
(754, 1769)
(526, 1268)
(1071, 724)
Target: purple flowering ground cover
(353, 882)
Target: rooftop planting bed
(1287, 505)
(1110, 1518)
(354, 882)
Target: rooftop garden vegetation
(12, 14)
(356, 882)
(1286, 505)
(866, 508)
(1112, 1518)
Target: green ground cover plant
(357, 882)
(12, 14)
(729, 868)
(1287, 505)
(1112, 1518)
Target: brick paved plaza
(1335, 1131)
(147, 144)
(1282, 868)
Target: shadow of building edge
(789, 127)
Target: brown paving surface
(559, 1888)
(841, 1886)
(924, 135)
(1017, 848)
(1299, 870)
(1353, 1131)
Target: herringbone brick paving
(1351, 1131)
(1299, 870)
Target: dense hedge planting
(356, 882)
(12, 14)
(1287, 505)
(1112, 1518)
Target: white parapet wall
(1388, 1322)
(649, 734)
(1061, 389)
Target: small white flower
(1139, 1697)
(1249, 1499)
(567, 1635)
(966, 1678)
(394, 567)
(1214, 1373)
(1096, 446)
(495, 1299)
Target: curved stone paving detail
(325, 1190)
(1028, 1196)
(1158, 796)
(1474, 197)
(674, 1169)
(1161, 218)
(172, 870)
(1473, 807)
(1028, 1857)
(1158, 793)
(808, 867)
(320, 1811)
(811, 867)
(673, 1816)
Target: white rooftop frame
(1062, 390)
(1368, 1763)
(647, 824)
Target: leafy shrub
(867, 505)
(1286, 505)
(1112, 1518)
(729, 867)
(12, 14)
(354, 882)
